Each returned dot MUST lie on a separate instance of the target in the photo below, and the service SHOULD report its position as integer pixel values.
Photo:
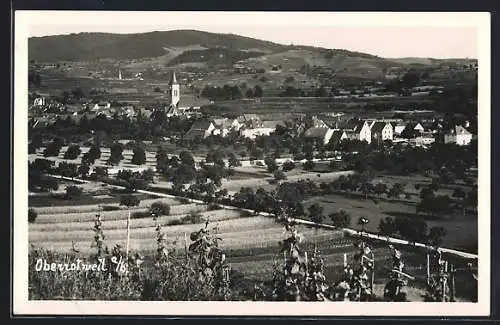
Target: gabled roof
(461, 130)
(316, 132)
(271, 124)
(201, 125)
(378, 126)
(337, 135)
(194, 134)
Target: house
(248, 118)
(423, 140)
(338, 136)
(319, 133)
(412, 130)
(358, 130)
(398, 127)
(224, 125)
(263, 128)
(381, 130)
(318, 123)
(459, 136)
(200, 130)
(40, 101)
(101, 106)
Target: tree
(233, 160)
(139, 157)
(94, 153)
(288, 166)
(279, 175)
(257, 91)
(414, 230)
(72, 152)
(340, 219)
(249, 93)
(380, 188)
(435, 237)
(67, 169)
(387, 226)
(73, 192)
(308, 165)
(271, 164)
(128, 201)
(367, 188)
(159, 208)
(116, 153)
(396, 190)
(83, 170)
(316, 213)
(32, 214)
(410, 79)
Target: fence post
(452, 273)
(428, 269)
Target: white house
(40, 101)
(381, 130)
(263, 128)
(459, 135)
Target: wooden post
(452, 274)
(372, 283)
(185, 245)
(128, 235)
(428, 269)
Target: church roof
(173, 80)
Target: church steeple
(175, 91)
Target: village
(225, 171)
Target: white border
(21, 305)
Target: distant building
(200, 130)
(358, 130)
(381, 130)
(323, 134)
(40, 101)
(101, 106)
(259, 129)
(459, 136)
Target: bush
(110, 208)
(213, 206)
(159, 208)
(140, 215)
(32, 214)
(73, 191)
(192, 218)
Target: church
(176, 106)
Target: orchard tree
(288, 166)
(139, 156)
(436, 235)
(233, 160)
(340, 219)
(32, 214)
(73, 192)
(271, 164)
(387, 226)
(316, 213)
(83, 170)
(72, 152)
(116, 153)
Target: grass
(461, 231)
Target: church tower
(175, 91)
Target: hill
(93, 46)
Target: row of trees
(230, 92)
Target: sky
(388, 35)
